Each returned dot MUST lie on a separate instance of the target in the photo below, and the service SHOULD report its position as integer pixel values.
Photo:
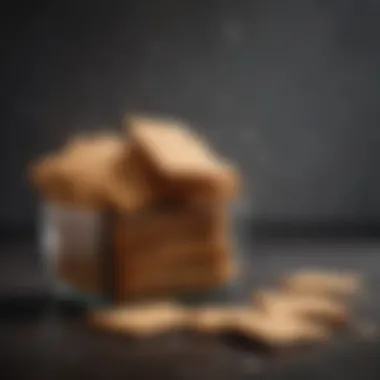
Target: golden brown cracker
(90, 163)
(173, 280)
(77, 173)
(163, 229)
(97, 172)
(278, 330)
(303, 306)
(142, 320)
(182, 158)
(273, 330)
(214, 319)
(324, 283)
(129, 186)
(48, 176)
(172, 255)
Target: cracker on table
(142, 320)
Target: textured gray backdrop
(289, 89)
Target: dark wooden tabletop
(40, 339)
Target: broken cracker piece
(324, 283)
(272, 330)
(102, 166)
(278, 331)
(213, 319)
(141, 320)
(306, 306)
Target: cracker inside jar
(128, 176)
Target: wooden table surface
(39, 340)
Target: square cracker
(141, 320)
(304, 306)
(320, 282)
(182, 159)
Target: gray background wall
(289, 89)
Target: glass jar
(73, 241)
(80, 247)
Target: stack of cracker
(169, 196)
(181, 243)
